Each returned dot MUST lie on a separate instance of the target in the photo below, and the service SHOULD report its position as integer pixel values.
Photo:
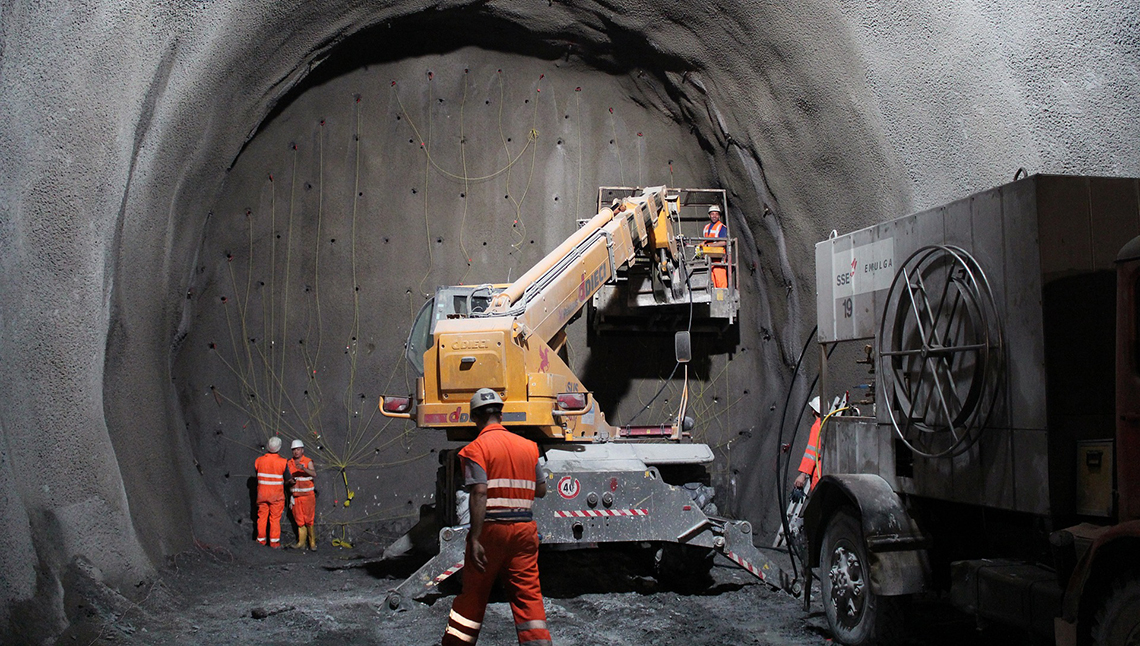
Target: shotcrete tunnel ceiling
(406, 160)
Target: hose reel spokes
(940, 351)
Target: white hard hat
(274, 444)
(715, 208)
(814, 403)
(297, 444)
(485, 397)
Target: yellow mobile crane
(509, 339)
(607, 480)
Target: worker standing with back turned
(272, 474)
(716, 229)
(304, 499)
(503, 478)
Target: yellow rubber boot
(312, 538)
(300, 544)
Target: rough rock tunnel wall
(130, 161)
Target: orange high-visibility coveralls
(809, 465)
(270, 496)
(717, 230)
(509, 537)
(304, 492)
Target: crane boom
(512, 344)
(546, 297)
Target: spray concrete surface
(218, 219)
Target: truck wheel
(1118, 621)
(856, 615)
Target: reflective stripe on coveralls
(508, 496)
(504, 502)
(270, 479)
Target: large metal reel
(940, 351)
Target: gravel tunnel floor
(251, 595)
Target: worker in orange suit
(716, 250)
(272, 474)
(303, 500)
(503, 478)
(809, 465)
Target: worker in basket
(715, 250)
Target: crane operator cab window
(448, 302)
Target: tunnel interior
(222, 220)
(405, 161)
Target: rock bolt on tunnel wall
(217, 221)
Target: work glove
(798, 495)
(290, 502)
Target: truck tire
(1117, 623)
(856, 615)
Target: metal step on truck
(633, 264)
(996, 461)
